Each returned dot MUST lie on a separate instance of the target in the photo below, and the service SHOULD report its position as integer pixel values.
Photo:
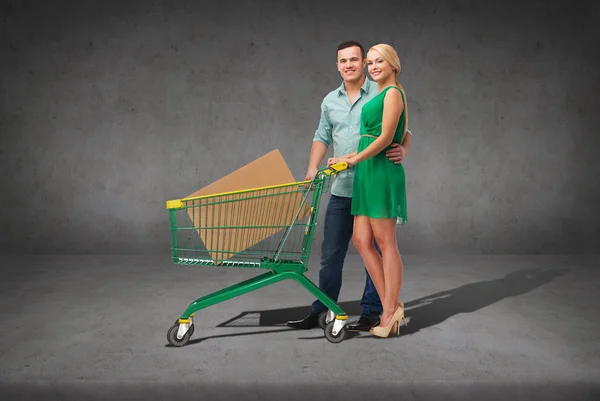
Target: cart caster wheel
(190, 330)
(323, 320)
(174, 340)
(341, 335)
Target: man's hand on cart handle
(310, 174)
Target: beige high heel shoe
(384, 332)
(394, 324)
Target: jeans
(337, 233)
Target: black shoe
(309, 322)
(363, 324)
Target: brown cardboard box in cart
(218, 223)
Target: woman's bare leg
(384, 231)
(362, 238)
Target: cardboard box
(217, 223)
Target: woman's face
(379, 69)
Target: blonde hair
(390, 55)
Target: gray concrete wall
(108, 109)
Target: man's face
(350, 64)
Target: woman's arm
(392, 108)
(334, 160)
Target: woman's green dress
(379, 189)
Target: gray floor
(518, 326)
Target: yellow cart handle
(335, 168)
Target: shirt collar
(365, 87)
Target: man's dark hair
(351, 43)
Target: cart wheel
(190, 330)
(323, 320)
(172, 336)
(329, 333)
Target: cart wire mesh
(250, 228)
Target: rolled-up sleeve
(324, 132)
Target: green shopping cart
(267, 228)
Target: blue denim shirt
(340, 126)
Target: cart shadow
(421, 313)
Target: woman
(379, 193)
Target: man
(340, 126)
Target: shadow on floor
(434, 309)
(420, 313)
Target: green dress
(379, 189)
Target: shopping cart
(267, 228)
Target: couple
(366, 121)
